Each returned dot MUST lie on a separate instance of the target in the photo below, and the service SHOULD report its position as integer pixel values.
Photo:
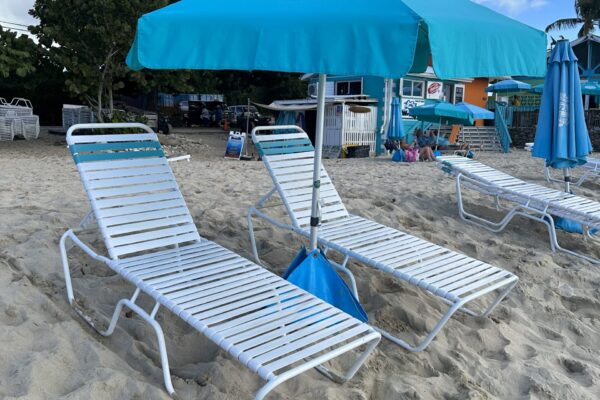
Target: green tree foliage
(90, 39)
(588, 15)
(18, 54)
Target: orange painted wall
(475, 93)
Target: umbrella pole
(315, 215)
(568, 180)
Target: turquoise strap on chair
(284, 147)
(88, 152)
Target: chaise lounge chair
(529, 200)
(591, 169)
(453, 277)
(272, 327)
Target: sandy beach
(542, 342)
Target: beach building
(413, 90)
(350, 120)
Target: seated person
(424, 140)
(425, 153)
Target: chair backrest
(290, 160)
(135, 198)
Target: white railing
(344, 127)
(359, 128)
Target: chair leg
(317, 364)
(425, 342)
(344, 269)
(129, 303)
(252, 237)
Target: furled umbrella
(385, 38)
(395, 130)
(562, 137)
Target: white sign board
(235, 145)
(435, 90)
(407, 104)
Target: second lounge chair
(453, 277)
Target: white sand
(542, 342)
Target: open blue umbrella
(587, 88)
(395, 129)
(508, 85)
(442, 113)
(474, 111)
(385, 38)
(562, 138)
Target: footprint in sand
(13, 316)
(577, 371)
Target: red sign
(434, 88)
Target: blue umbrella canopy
(562, 137)
(395, 128)
(443, 113)
(508, 85)
(475, 112)
(590, 88)
(386, 38)
(587, 88)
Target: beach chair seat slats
(414, 260)
(530, 200)
(455, 278)
(274, 328)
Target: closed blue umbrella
(395, 128)
(475, 112)
(562, 138)
(508, 85)
(385, 38)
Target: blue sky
(537, 13)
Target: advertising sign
(407, 104)
(235, 145)
(435, 90)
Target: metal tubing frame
(129, 303)
(588, 172)
(454, 306)
(524, 210)
(372, 339)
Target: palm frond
(565, 23)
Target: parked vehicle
(204, 113)
(239, 116)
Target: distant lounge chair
(453, 277)
(591, 169)
(272, 327)
(529, 200)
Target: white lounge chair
(529, 200)
(7, 128)
(591, 169)
(272, 327)
(453, 277)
